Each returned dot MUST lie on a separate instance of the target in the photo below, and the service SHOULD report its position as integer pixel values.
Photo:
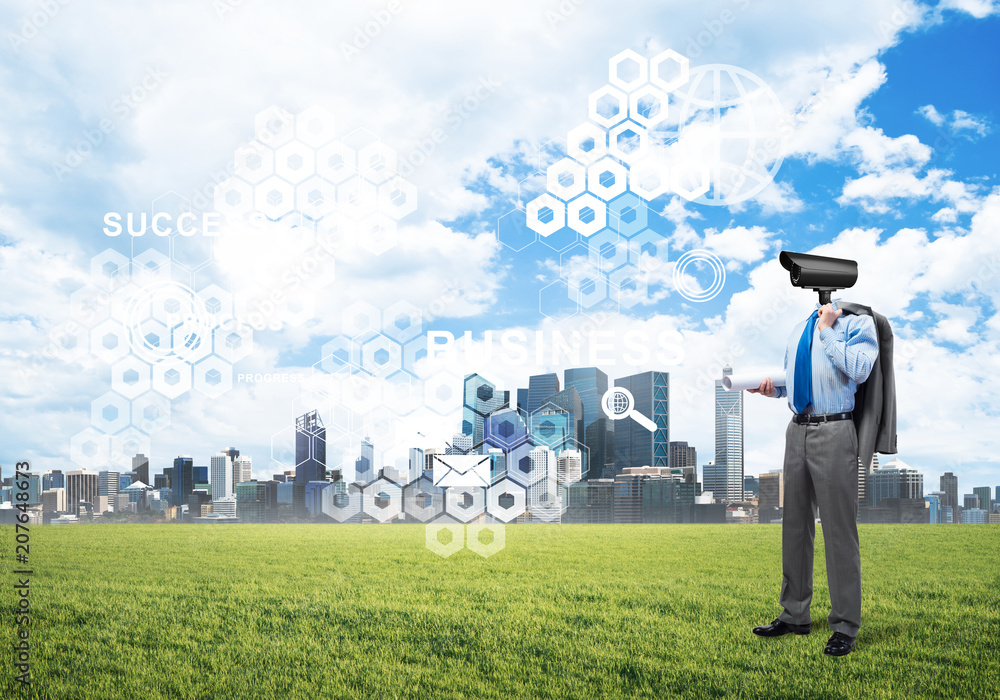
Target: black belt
(801, 418)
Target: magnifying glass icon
(618, 403)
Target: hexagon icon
(628, 70)
(191, 339)
(151, 266)
(649, 177)
(130, 377)
(546, 215)
(151, 412)
(628, 141)
(442, 393)
(213, 377)
(586, 214)
(649, 250)
(607, 250)
(274, 126)
(314, 126)
(690, 179)
(627, 214)
(125, 445)
(445, 537)
(397, 197)
(360, 317)
(172, 379)
(608, 106)
(627, 286)
(342, 506)
(110, 413)
(668, 70)
(90, 305)
(377, 162)
(336, 354)
(485, 539)
(383, 500)
(232, 341)
(357, 198)
(70, 341)
(109, 341)
(295, 162)
(607, 178)
(422, 500)
(253, 162)
(465, 503)
(402, 321)
(109, 270)
(647, 106)
(587, 286)
(316, 197)
(336, 162)
(90, 448)
(274, 197)
(380, 355)
(506, 500)
(587, 142)
(217, 302)
(566, 178)
(378, 233)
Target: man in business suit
(828, 355)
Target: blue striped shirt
(842, 357)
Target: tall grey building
(635, 446)
(591, 384)
(949, 485)
(729, 438)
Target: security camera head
(819, 273)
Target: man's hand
(827, 316)
(766, 388)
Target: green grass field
(570, 611)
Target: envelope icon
(461, 470)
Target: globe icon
(619, 403)
(728, 127)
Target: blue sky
(891, 162)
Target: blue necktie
(803, 395)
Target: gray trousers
(821, 469)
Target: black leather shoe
(839, 645)
(780, 627)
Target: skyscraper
(558, 423)
(598, 434)
(53, 480)
(683, 455)
(140, 465)
(949, 485)
(635, 446)
(480, 398)
(569, 466)
(364, 466)
(896, 480)
(772, 489)
(182, 480)
(713, 477)
(310, 448)
(729, 438)
(242, 467)
(222, 476)
(540, 388)
(984, 497)
(108, 483)
(416, 464)
(251, 500)
(81, 485)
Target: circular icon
(167, 320)
(693, 292)
(729, 121)
(618, 403)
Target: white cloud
(932, 115)
(739, 245)
(873, 151)
(957, 122)
(976, 8)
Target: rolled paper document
(739, 382)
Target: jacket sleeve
(855, 354)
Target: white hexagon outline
(368, 166)
(639, 152)
(557, 170)
(608, 91)
(412, 313)
(340, 173)
(605, 192)
(558, 214)
(243, 171)
(388, 206)
(633, 106)
(452, 507)
(127, 364)
(304, 122)
(654, 70)
(274, 126)
(578, 134)
(114, 400)
(618, 59)
(183, 385)
(284, 170)
(151, 399)
(599, 208)
(328, 197)
(652, 165)
(395, 507)
(432, 543)
(485, 550)
(201, 369)
(501, 487)
(262, 194)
